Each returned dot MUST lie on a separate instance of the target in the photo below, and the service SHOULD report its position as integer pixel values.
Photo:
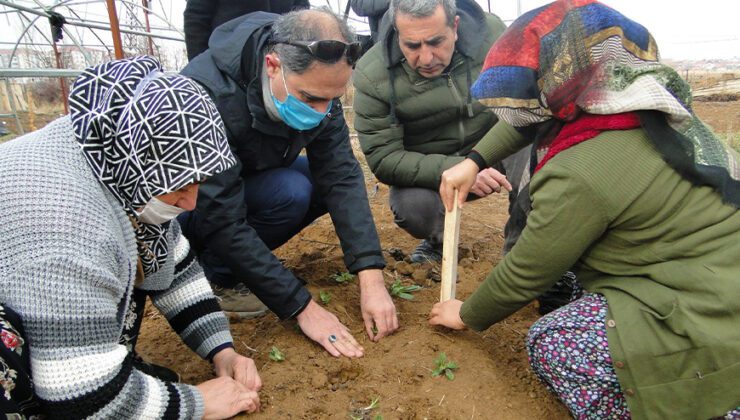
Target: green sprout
(276, 355)
(364, 412)
(344, 277)
(444, 366)
(404, 292)
(325, 297)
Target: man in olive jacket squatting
(276, 81)
(414, 113)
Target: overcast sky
(685, 29)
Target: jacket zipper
(456, 95)
(424, 80)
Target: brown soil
(493, 381)
(722, 117)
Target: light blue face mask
(296, 113)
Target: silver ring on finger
(332, 338)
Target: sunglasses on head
(329, 50)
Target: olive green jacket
(664, 253)
(433, 123)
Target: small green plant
(402, 291)
(276, 355)
(344, 277)
(325, 297)
(444, 366)
(364, 412)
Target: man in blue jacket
(276, 81)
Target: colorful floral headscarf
(145, 134)
(573, 57)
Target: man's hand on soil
(377, 305)
(319, 324)
(489, 181)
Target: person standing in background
(373, 10)
(201, 17)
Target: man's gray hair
(300, 25)
(422, 9)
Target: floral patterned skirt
(569, 352)
(16, 388)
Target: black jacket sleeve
(197, 20)
(301, 4)
(340, 181)
(369, 7)
(222, 227)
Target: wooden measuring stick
(449, 252)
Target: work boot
(426, 252)
(239, 301)
(160, 372)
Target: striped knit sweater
(67, 266)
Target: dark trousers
(418, 211)
(516, 168)
(280, 203)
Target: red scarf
(586, 127)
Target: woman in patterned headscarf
(85, 222)
(634, 192)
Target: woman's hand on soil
(224, 398)
(460, 177)
(376, 305)
(447, 314)
(242, 369)
(318, 324)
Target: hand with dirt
(319, 324)
(228, 362)
(224, 398)
(447, 314)
(461, 177)
(377, 305)
(489, 181)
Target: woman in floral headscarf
(634, 192)
(85, 222)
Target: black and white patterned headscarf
(145, 134)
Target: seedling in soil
(276, 355)
(325, 297)
(402, 291)
(444, 367)
(344, 277)
(364, 412)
